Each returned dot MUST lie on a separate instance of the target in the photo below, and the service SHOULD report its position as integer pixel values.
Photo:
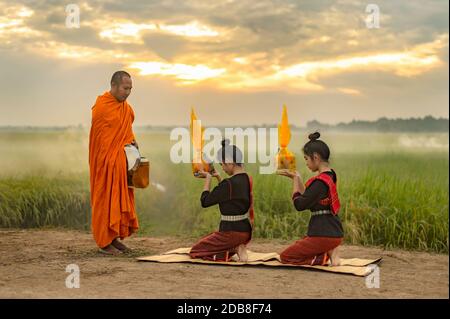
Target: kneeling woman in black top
(234, 196)
(319, 195)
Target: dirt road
(33, 265)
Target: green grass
(391, 196)
(37, 201)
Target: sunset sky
(237, 62)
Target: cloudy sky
(237, 62)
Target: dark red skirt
(219, 246)
(310, 251)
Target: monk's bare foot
(120, 246)
(335, 260)
(110, 250)
(242, 253)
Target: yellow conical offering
(285, 158)
(284, 132)
(198, 162)
(196, 133)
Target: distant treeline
(425, 124)
(28, 128)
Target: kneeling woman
(319, 195)
(234, 196)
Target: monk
(112, 201)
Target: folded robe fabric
(353, 266)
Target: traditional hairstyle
(229, 153)
(316, 146)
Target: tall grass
(391, 197)
(37, 201)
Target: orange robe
(112, 202)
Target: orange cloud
(211, 56)
(186, 73)
(128, 32)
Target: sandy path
(33, 264)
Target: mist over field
(393, 187)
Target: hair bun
(225, 142)
(314, 136)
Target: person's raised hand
(215, 174)
(287, 173)
(203, 174)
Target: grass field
(393, 188)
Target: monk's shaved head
(118, 76)
(121, 85)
